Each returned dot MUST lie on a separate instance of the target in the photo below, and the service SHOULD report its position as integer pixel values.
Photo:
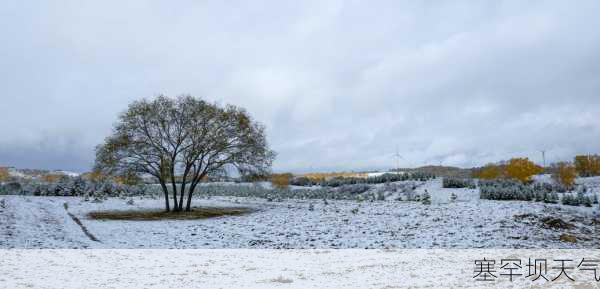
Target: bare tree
(181, 141)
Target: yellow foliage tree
(51, 178)
(128, 178)
(583, 165)
(489, 172)
(281, 181)
(94, 176)
(595, 165)
(522, 169)
(565, 174)
(587, 165)
(4, 175)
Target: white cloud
(338, 83)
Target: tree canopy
(179, 141)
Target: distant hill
(36, 173)
(442, 171)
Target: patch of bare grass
(157, 215)
(281, 279)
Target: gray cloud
(339, 84)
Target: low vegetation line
(157, 215)
(78, 222)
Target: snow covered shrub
(380, 195)
(303, 182)
(408, 193)
(348, 192)
(551, 198)
(579, 199)
(339, 181)
(392, 187)
(515, 190)
(584, 200)
(458, 183)
(385, 178)
(353, 189)
(80, 187)
(570, 200)
(505, 190)
(77, 187)
(11, 188)
(587, 202)
(426, 198)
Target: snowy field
(281, 269)
(44, 222)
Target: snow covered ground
(43, 222)
(282, 269)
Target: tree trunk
(174, 186)
(175, 204)
(188, 206)
(182, 190)
(181, 193)
(166, 193)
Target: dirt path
(78, 222)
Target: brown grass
(156, 215)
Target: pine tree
(426, 198)
(566, 200)
(587, 201)
(554, 198)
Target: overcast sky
(338, 84)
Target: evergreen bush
(457, 183)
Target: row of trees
(587, 165)
(385, 178)
(128, 178)
(503, 189)
(79, 186)
(522, 169)
(456, 183)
